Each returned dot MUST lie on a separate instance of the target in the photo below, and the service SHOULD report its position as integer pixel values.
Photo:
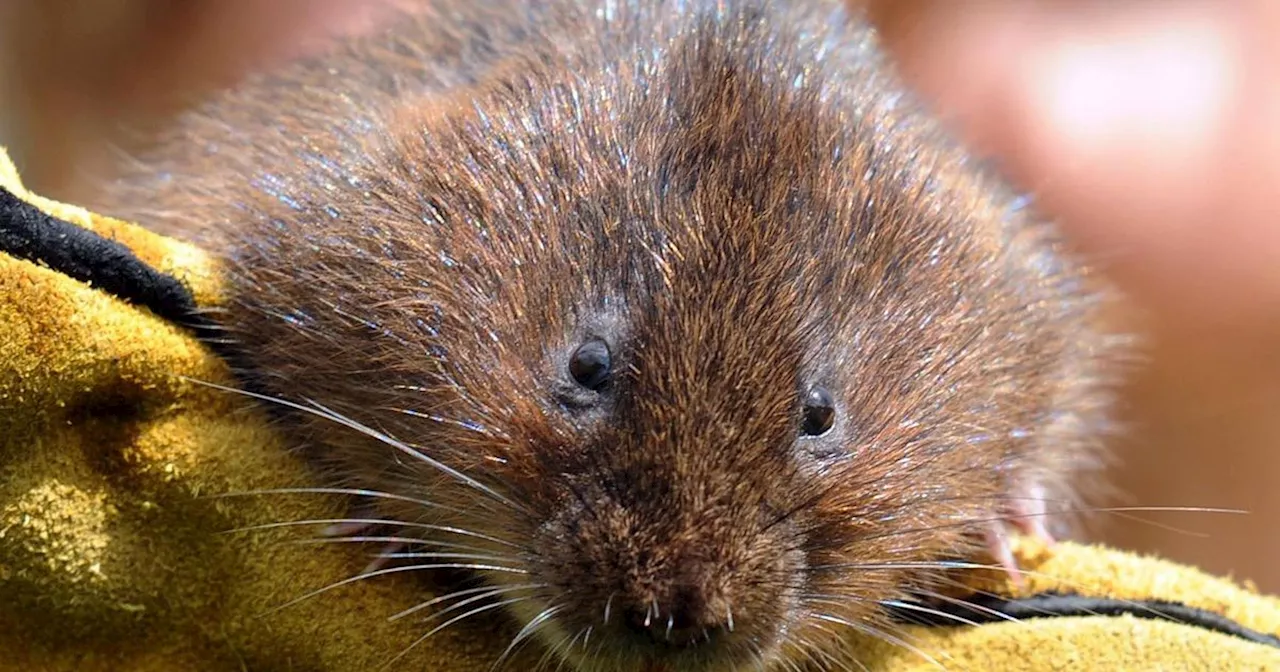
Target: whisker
(882, 635)
(568, 646)
(1122, 513)
(556, 653)
(940, 564)
(486, 592)
(320, 411)
(811, 654)
(455, 619)
(1137, 606)
(944, 565)
(793, 666)
(596, 655)
(450, 556)
(970, 605)
(757, 655)
(442, 598)
(831, 660)
(805, 645)
(457, 424)
(923, 609)
(969, 522)
(392, 570)
(1161, 509)
(418, 455)
(1025, 498)
(374, 539)
(354, 492)
(374, 521)
(403, 541)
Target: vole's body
(739, 201)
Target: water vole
(679, 323)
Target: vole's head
(702, 353)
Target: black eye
(819, 412)
(589, 364)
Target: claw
(1002, 551)
(1028, 514)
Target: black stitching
(28, 233)
(988, 609)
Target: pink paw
(1027, 515)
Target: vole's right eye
(819, 411)
(590, 364)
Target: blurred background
(1203, 413)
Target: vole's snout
(683, 617)
(677, 582)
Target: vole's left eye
(590, 364)
(819, 412)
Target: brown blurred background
(1204, 426)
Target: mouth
(623, 649)
(647, 655)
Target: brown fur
(423, 226)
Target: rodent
(705, 328)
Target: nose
(683, 619)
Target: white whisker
(393, 570)
(476, 596)
(525, 632)
(455, 619)
(354, 492)
(926, 610)
(321, 411)
(374, 521)
(390, 540)
(881, 635)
